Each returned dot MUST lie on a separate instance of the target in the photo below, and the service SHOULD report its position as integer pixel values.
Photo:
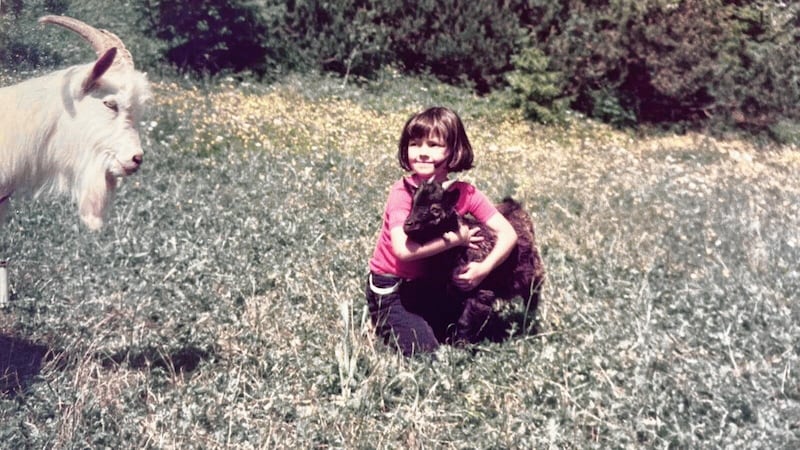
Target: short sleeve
(473, 201)
(398, 205)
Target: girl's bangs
(422, 129)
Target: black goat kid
(520, 275)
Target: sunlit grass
(222, 307)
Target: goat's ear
(447, 184)
(450, 198)
(100, 67)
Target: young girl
(408, 309)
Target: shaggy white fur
(56, 134)
(74, 131)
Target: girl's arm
(407, 250)
(475, 272)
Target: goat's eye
(112, 105)
(436, 209)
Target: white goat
(74, 130)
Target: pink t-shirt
(398, 206)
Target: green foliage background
(714, 62)
(717, 65)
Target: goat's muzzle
(130, 167)
(411, 225)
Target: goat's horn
(101, 40)
(446, 185)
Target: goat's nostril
(137, 159)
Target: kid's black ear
(450, 198)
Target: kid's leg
(395, 323)
(433, 301)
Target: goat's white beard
(91, 183)
(91, 169)
(94, 191)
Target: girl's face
(428, 157)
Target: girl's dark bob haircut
(442, 123)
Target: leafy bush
(632, 61)
(213, 36)
(451, 40)
(757, 80)
(717, 63)
(714, 61)
(535, 88)
(462, 42)
(611, 107)
(459, 41)
(675, 51)
(208, 36)
(341, 36)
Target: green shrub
(459, 41)
(785, 131)
(462, 42)
(212, 36)
(712, 62)
(611, 107)
(674, 51)
(717, 63)
(208, 36)
(638, 61)
(757, 79)
(535, 88)
(341, 36)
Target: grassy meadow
(222, 305)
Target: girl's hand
(464, 236)
(472, 275)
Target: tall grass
(222, 306)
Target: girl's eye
(435, 143)
(112, 105)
